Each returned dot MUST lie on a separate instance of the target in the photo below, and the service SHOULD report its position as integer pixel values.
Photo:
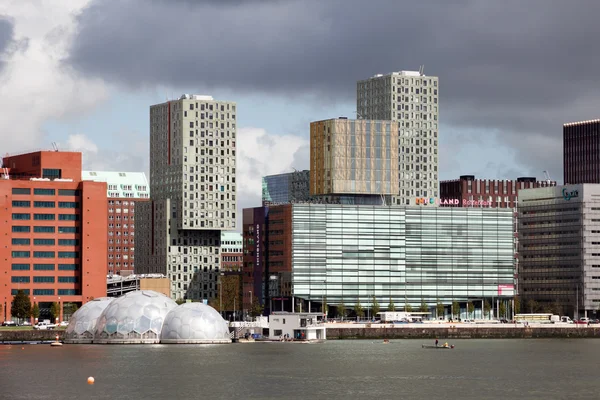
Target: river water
(365, 369)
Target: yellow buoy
(91, 380)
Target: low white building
(297, 326)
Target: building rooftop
(121, 184)
(582, 122)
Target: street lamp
(271, 279)
(221, 293)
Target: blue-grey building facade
(407, 255)
(286, 188)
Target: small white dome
(194, 323)
(136, 317)
(82, 324)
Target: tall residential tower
(411, 98)
(192, 181)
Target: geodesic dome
(194, 323)
(82, 324)
(136, 317)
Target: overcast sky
(83, 73)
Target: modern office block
(581, 152)
(559, 249)
(124, 190)
(353, 157)
(286, 188)
(412, 99)
(192, 181)
(55, 232)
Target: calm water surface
(475, 369)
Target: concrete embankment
(462, 332)
(29, 335)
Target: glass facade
(286, 188)
(409, 255)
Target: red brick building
(53, 232)
(124, 190)
(470, 192)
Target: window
(68, 192)
(44, 204)
(44, 217)
(43, 267)
(21, 242)
(68, 279)
(67, 267)
(19, 279)
(44, 242)
(21, 254)
(14, 291)
(68, 292)
(21, 191)
(43, 229)
(43, 279)
(68, 204)
(68, 229)
(51, 173)
(68, 254)
(21, 216)
(18, 228)
(20, 267)
(43, 254)
(68, 242)
(68, 217)
(21, 203)
(44, 192)
(43, 292)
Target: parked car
(9, 323)
(25, 323)
(44, 326)
(64, 323)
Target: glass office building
(285, 188)
(411, 255)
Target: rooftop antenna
(422, 70)
(54, 146)
(358, 116)
(547, 175)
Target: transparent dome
(82, 324)
(194, 323)
(136, 317)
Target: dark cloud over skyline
(516, 70)
(6, 37)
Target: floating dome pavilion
(83, 322)
(136, 317)
(194, 323)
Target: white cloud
(260, 154)
(35, 85)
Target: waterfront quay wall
(29, 335)
(462, 332)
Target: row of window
(45, 242)
(45, 229)
(44, 267)
(48, 292)
(45, 254)
(44, 279)
(45, 204)
(45, 217)
(47, 192)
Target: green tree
(341, 310)
(391, 305)
(376, 307)
(358, 310)
(455, 309)
(408, 308)
(180, 301)
(424, 307)
(517, 301)
(35, 311)
(55, 311)
(21, 305)
(502, 309)
(470, 309)
(439, 308)
(257, 308)
(487, 308)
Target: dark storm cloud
(6, 36)
(520, 67)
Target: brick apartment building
(470, 192)
(54, 245)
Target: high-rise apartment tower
(581, 152)
(411, 98)
(192, 182)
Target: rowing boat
(438, 347)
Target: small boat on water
(438, 347)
